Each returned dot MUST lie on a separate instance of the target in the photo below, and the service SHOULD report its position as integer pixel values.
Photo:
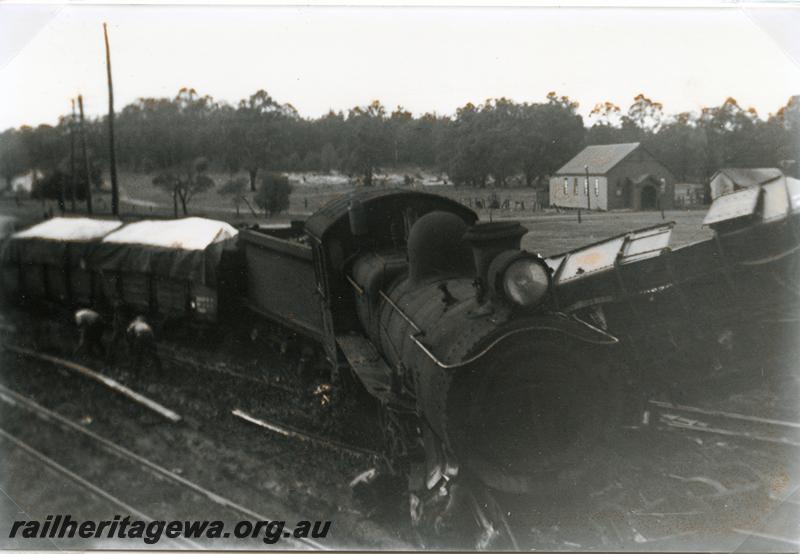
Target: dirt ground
(655, 490)
(267, 473)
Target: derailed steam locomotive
(492, 365)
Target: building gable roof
(600, 158)
(750, 177)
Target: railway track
(300, 481)
(275, 381)
(774, 533)
(276, 427)
(731, 425)
(183, 493)
(91, 488)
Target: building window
(596, 186)
(566, 186)
(575, 186)
(586, 186)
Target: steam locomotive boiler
(470, 338)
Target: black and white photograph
(400, 277)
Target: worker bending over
(90, 332)
(142, 342)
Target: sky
(423, 58)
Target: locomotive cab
(375, 222)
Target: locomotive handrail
(355, 285)
(435, 359)
(504, 336)
(400, 311)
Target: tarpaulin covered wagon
(50, 260)
(168, 268)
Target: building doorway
(649, 197)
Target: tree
(273, 194)
(328, 158)
(13, 157)
(235, 189)
(465, 148)
(55, 182)
(257, 135)
(368, 143)
(499, 122)
(551, 134)
(45, 146)
(399, 124)
(607, 126)
(681, 146)
(644, 114)
(781, 135)
(480, 145)
(184, 182)
(728, 131)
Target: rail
(15, 399)
(88, 485)
(102, 379)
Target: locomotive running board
(369, 367)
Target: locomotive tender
(493, 365)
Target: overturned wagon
(168, 268)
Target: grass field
(550, 232)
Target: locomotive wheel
(537, 408)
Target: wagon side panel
(281, 284)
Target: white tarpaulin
(179, 249)
(69, 229)
(191, 233)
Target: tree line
(498, 142)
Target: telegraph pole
(72, 157)
(588, 194)
(85, 158)
(112, 157)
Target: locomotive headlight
(526, 282)
(520, 277)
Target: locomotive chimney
(487, 241)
